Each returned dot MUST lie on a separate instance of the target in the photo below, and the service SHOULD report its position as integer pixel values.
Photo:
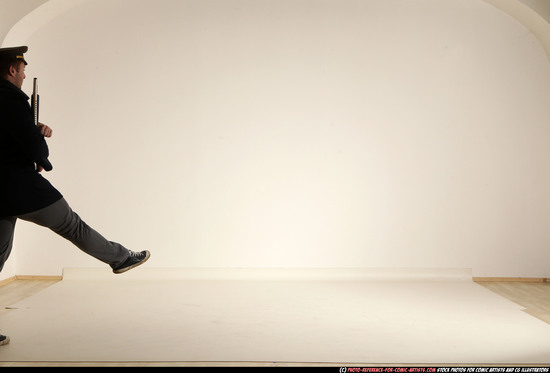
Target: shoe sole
(122, 270)
(5, 341)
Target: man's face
(19, 75)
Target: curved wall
(382, 134)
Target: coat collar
(7, 86)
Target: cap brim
(14, 52)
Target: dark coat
(22, 188)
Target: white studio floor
(270, 316)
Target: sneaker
(133, 261)
(4, 340)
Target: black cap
(12, 53)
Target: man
(24, 193)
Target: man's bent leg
(7, 227)
(62, 220)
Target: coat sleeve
(20, 128)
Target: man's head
(12, 65)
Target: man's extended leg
(62, 220)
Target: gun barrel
(35, 101)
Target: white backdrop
(295, 133)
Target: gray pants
(62, 220)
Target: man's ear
(12, 71)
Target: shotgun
(35, 103)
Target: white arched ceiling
(534, 14)
(14, 10)
(27, 18)
(11, 11)
(540, 6)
